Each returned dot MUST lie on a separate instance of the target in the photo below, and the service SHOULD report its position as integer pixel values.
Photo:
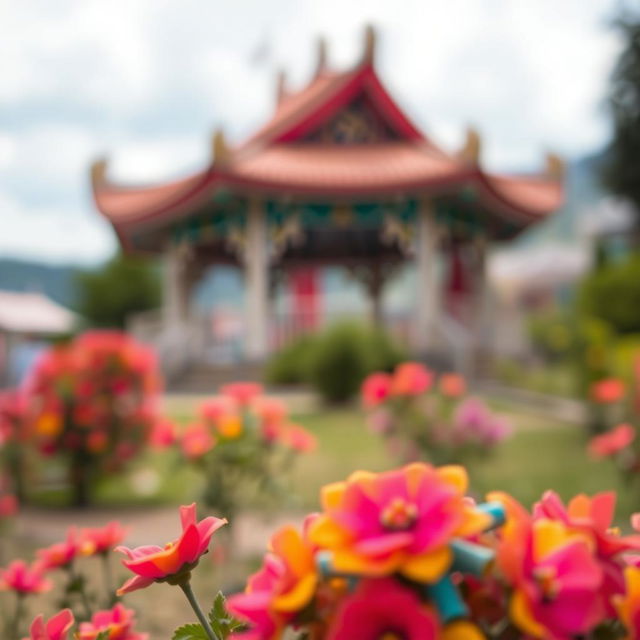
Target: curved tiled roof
(278, 159)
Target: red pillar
(305, 289)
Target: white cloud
(146, 81)
(53, 235)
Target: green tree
(124, 285)
(620, 171)
(612, 294)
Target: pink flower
(607, 391)
(197, 441)
(556, 578)
(298, 438)
(117, 623)
(381, 607)
(163, 434)
(176, 559)
(375, 390)
(22, 578)
(592, 518)
(397, 521)
(611, 443)
(216, 408)
(242, 392)
(411, 379)
(62, 554)
(104, 539)
(8, 506)
(55, 629)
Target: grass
(541, 455)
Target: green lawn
(540, 455)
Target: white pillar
(256, 267)
(428, 298)
(175, 298)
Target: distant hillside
(583, 191)
(55, 281)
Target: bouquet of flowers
(94, 400)
(242, 441)
(407, 554)
(423, 418)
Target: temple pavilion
(339, 175)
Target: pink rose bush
(423, 417)
(94, 401)
(243, 443)
(403, 554)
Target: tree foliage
(612, 294)
(124, 285)
(623, 158)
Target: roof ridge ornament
(98, 171)
(554, 167)
(369, 52)
(321, 53)
(220, 148)
(281, 86)
(472, 147)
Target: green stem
(17, 617)
(79, 580)
(188, 592)
(108, 580)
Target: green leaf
(103, 635)
(222, 622)
(190, 632)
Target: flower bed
(399, 554)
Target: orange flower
(608, 444)
(607, 391)
(452, 385)
(197, 441)
(411, 379)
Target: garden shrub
(291, 364)
(612, 294)
(343, 356)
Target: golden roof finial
(554, 166)
(321, 62)
(99, 171)
(368, 55)
(472, 146)
(220, 148)
(281, 85)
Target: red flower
(55, 629)
(156, 564)
(607, 391)
(608, 444)
(117, 623)
(375, 390)
(381, 608)
(21, 578)
(299, 439)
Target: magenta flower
(397, 521)
(22, 578)
(56, 628)
(176, 560)
(381, 608)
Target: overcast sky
(146, 81)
